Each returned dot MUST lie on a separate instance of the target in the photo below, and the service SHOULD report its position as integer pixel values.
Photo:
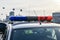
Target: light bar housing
(30, 18)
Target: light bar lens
(18, 18)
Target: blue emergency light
(18, 18)
(30, 18)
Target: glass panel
(36, 34)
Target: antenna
(36, 15)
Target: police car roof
(30, 25)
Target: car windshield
(36, 34)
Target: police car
(28, 28)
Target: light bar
(30, 18)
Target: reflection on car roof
(28, 25)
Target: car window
(36, 34)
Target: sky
(43, 4)
(30, 3)
(48, 5)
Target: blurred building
(11, 13)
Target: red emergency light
(49, 18)
(44, 18)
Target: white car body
(29, 25)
